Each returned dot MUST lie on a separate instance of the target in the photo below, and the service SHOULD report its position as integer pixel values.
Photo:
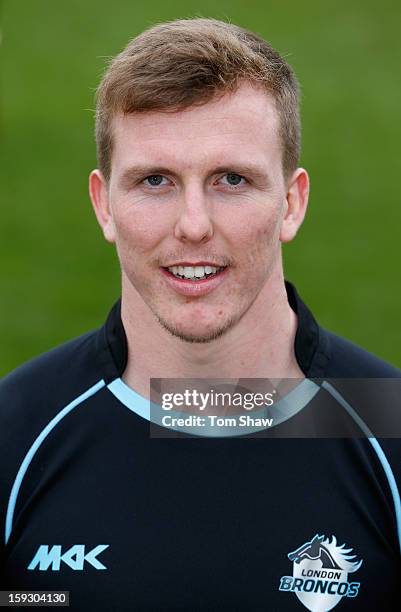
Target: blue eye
(233, 179)
(155, 180)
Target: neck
(260, 345)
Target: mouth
(194, 280)
(194, 273)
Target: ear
(99, 195)
(297, 202)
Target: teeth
(193, 272)
(189, 272)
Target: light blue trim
(287, 407)
(130, 398)
(379, 452)
(30, 454)
(392, 483)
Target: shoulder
(345, 359)
(322, 354)
(34, 398)
(34, 393)
(54, 375)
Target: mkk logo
(74, 557)
(320, 574)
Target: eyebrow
(129, 177)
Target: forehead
(241, 124)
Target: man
(198, 185)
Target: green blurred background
(59, 277)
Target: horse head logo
(328, 553)
(320, 573)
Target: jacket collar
(311, 343)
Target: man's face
(195, 191)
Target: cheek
(138, 234)
(256, 252)
(258, 240)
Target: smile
(194, 281)
(194, 273)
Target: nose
(194, 223)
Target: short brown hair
(175, 65)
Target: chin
(200, 335)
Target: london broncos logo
(320, 574)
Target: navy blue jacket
(90, 503)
